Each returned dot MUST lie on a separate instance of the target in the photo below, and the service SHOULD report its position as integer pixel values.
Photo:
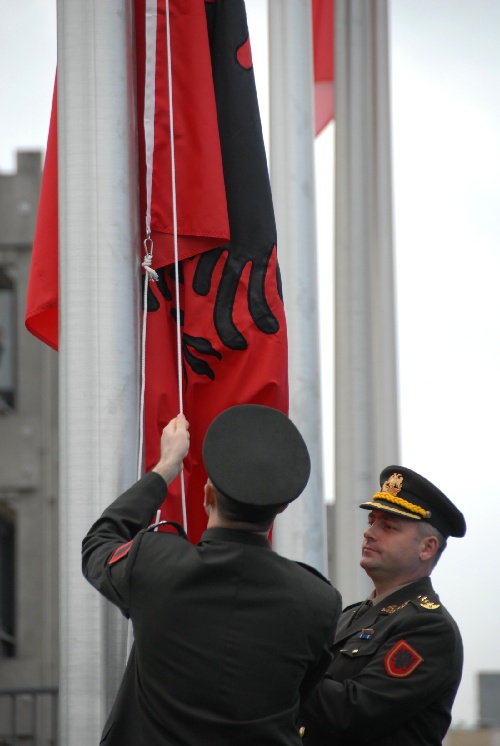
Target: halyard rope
(149, 273)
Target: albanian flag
(234, 346)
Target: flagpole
(366, 389)
(300, 532)
(98, 276)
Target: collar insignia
(394, 607)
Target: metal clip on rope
(148, 250)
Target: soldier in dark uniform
(229, 637)
(397, 657)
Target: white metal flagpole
(300, 533)
(99, 321)
(366, 394)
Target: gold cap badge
(393, 485)
(389, 493)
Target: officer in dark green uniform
(397, 656)
(229, 636)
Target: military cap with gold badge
(409, 495)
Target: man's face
(392, 547)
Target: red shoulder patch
(119, 553)
(402, 660)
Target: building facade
(28, 474)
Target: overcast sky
(446, 153)
(446, 135)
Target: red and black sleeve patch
(120, 553)
(244, 54)
(402, 660)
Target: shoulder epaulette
(430, 604)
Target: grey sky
(446, 125)
(446, 78)
(27, 69)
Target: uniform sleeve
(110, 548)
(315, 674)
(402, 676)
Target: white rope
(150, 274)
(149, 103)
(176, 248)
(149, 118)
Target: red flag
(233, 324)
(43, 287)
(234, 346)
(323, 12)
(201, 202)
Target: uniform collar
(378, 599)
(240, 537)
(402, 592)
(348, 625)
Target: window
(7, 620)
(7, 343)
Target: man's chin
(367, 564)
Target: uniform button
(302, 731)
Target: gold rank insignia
(394, 607)
(426, 604)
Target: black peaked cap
(408, 494)
(255, 455)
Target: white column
(98, 240)
(300, 532)
(366, 392)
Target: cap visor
(389, 509)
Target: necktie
(365, 606)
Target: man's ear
(283, 508)
(430, 547)
(208, 496)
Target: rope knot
(148, 258)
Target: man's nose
(370, 531)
